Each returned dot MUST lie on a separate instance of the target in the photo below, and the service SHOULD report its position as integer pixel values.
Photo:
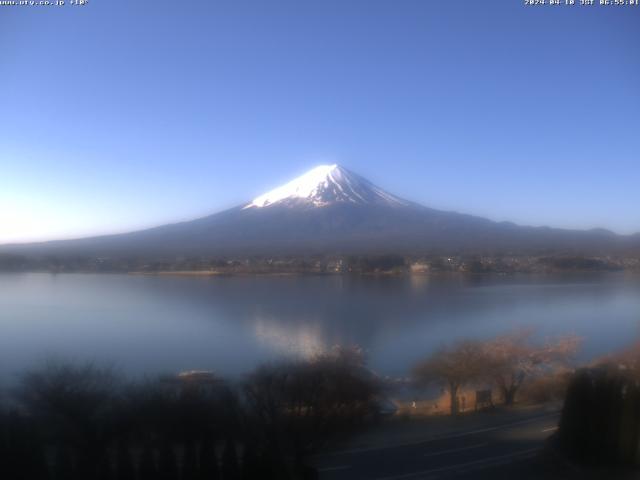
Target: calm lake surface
(147, 324)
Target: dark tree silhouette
(190, 462)
(94, 426)
(230, 466)
(21, 449)
(105, 469)
(298, 407)
(63, 465)
(124, 463)
(147, 469)
(73, 403)
(209, 469)
(167, 463)
(600, 422)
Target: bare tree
(73, 398)
(454, 367)
(305, 403)
(74, 404)
(511, 359)
(627, 359)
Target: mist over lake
(151, 324)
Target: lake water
(147, 324)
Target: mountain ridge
(327, 184)
(332, 210)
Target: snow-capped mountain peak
(325, 185)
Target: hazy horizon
(144, 114)
(142, 227)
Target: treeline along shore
(327, 264)
(68, 421)
(71, 421)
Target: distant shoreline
(362, 265)
(199, 273)
(205, 273)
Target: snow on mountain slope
(329, 210)
(325, 185)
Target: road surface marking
(455, 450)
(436, 439)
(483, 461)
(549, 429)
(333, 469)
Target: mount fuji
(326, 185)
(331, 210)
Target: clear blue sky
(123, 114)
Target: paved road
(448, 456)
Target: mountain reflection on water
(147, 324)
